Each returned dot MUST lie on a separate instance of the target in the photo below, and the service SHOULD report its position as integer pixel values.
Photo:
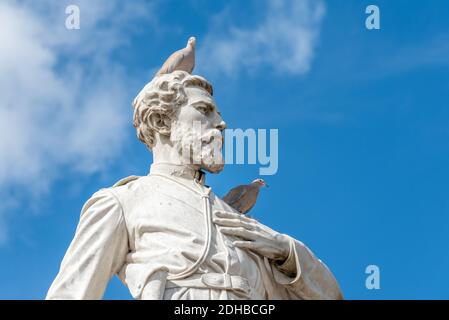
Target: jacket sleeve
(304, 276)
(96, 253)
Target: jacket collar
(180, 171)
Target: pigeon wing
(188, 63)
(250, 201)
(234, 196)
(172, 62)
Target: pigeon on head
(183, 59)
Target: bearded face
(196, 131)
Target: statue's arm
(304, 276)
(96, 252)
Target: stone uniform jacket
(153, 228)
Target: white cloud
(62, 102)
(284, 40)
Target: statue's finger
(233, 223)
(232, 215)
(227, 214)
(245, 244)
(239, 232)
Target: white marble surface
(167, 235)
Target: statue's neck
(179, 171)
(167, 154)
(168, 161)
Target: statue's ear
(160, 122)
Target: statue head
(176, 117)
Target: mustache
(212, 135)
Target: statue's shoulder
(125, 189)
(115, 193)
(125, 181)
(133, 187)
(123, 186)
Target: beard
(211, 155)
(195, 148)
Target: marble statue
(167, 235)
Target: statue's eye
(202, 108)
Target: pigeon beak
(266, 185)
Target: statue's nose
(221, 126)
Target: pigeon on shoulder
(242, 198)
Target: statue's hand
(253, 235)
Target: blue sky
(362, 116)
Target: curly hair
(164, 95)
